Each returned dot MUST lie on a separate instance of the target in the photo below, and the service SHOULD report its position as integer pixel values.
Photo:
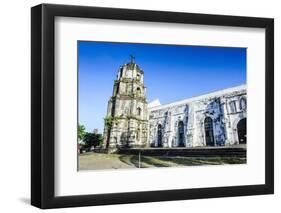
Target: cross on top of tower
(132, 58)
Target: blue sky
(171, 73)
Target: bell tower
(126, 122)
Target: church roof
(154, 103)
(222, 92)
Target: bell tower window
(138, 91)
(138, 77)
(139, 111)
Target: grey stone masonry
(214, 119)
(126, 122)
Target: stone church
(214, 119)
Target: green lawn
(89, 161)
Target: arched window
(209, 134)
(181, 134)
(159, 136)
(139, 111)
(138, 91)
(138, 77)
(243, 104)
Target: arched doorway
(181, 134)
(159, 136)
(209, 132)
(242, 131)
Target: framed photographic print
(139, 106)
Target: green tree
(81, 132)
(92, 139)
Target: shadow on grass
(193, 161)
(185, 161)
(154, 161)
(165, 161)
(145, 161)
(131, 160)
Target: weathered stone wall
(126, 123)
(223, 108)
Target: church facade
(214, 119)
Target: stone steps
(188, 152)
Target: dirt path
(90, 161)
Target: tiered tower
(126, 122)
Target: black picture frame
(43, 102)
